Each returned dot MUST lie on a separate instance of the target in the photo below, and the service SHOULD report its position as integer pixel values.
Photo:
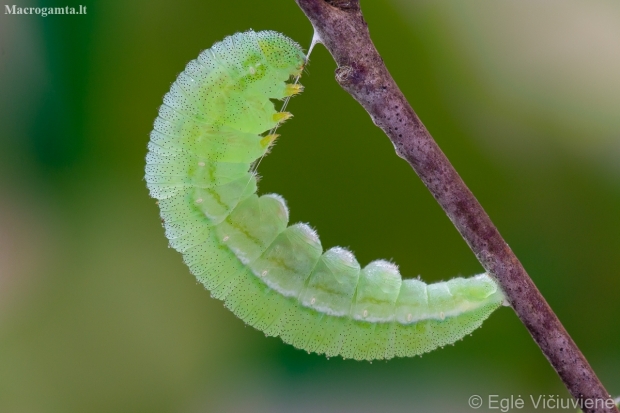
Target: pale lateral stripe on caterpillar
(273, 276)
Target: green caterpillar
(273, 276)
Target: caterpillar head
(281, 52)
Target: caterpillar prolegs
(275, 277)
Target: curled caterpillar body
(276, 277)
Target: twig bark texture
(361, 72)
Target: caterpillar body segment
(278, 278)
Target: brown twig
(361, 72)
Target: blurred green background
(98, 315)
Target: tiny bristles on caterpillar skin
(273, 276)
